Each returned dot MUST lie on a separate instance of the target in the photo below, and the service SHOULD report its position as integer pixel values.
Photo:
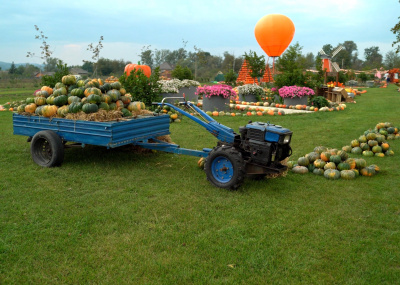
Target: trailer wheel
(224, 167)
(47, 149)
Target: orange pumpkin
(48, 89)
(30, 108)
(130, 67)
(49, 110)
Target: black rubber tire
(47, 149)
(234, 157)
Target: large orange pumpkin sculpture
(130, 67)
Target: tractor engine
(265, 144)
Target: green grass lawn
(120, 216)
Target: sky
(214, 26)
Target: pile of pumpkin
(332, 164)
(374, 142)
(81, 97)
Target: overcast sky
(213, 26)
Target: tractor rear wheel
(47, 149)
(224, 167)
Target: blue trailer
(256, 150)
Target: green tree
(396, 31)
(230, 77)
(363, 77)
(146, 56)
(373, 59)
(12, 69)
(392, 60)
(88, 66)
(256, 64)
(61, 70)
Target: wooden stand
(338, 95)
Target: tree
(146, 56)
(396, 31)
(88, 66)
(51, 64)
(392, 60)
(95, 53)
(12, 69)
(328, 49)
(256, 64)
(309, 60)
(373, 59)
(46, 53)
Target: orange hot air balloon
(274, 33)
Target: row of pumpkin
(88, 96)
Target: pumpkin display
(318, 171)
(356, 150)
(360, 163)
(29, 100)
(312, 156)
(106, 98)
(92, 90)
(303, 161)
(134, 106)
(330, 165)
(319, 163)
(93, 98)
(343, 166)
(335, 159)
(367, 153)
(63, 111)
(73, 99)
(114, 94)
(42, 93)
(319, 149)
(75, 107)
(104, 106)
(79, 92)
(325, 156)
(116, 85)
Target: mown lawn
(120, 216)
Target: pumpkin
(367, 153)
(335, 159)
(126, 112)
(372, 143)
(351, 162)
(362, 139)
(290, 164)
(92, 90)
(105, 87)
(356, 150)
(347, 174)
(106, 98)
(60, 100)
(119, 104)
(73, 99)
(29, 100)
(300, 169)
(364, 146)
(303, 161)
(122, 91)
(75, 107)
(376, 167)
(332, 174)
(21, 108)
(68, 79)
(131, 67)
(60, 91)
(49, 111)
(330, 165)
(347, 148)
(78, 92)
(50, 100)
(63, 111)
(371, 136)
(200, 162)
(39, 101)
(368, 171)
(354, 143)
(104, 106)
(383, 132)
(116, 85)
(380, 139)
(312, 156)
(376, 149)
(318, 171)
(391, 130)
(93, 98)
(59, 85)
(80, 83)
(343, 166)
(343, 154)
(356, 172)
(325, 156)
(42, 93)
(135, 107)
(126, 100)
(333, 151)
(49, 90)
(319, 163)
(385, 146)
(114, 94)
(360, 163)
(38, 110)
(380, 154)
(319, 149)
(90, 108)
(113, 106)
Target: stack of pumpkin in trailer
(83, 96)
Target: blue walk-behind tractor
(256, 151)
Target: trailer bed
(109, 134)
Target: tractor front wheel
(224, 167)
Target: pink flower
(216, 90)
(295, 91)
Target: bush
(319, 102)
(51, 80)
(142, 88)
(182, 73)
